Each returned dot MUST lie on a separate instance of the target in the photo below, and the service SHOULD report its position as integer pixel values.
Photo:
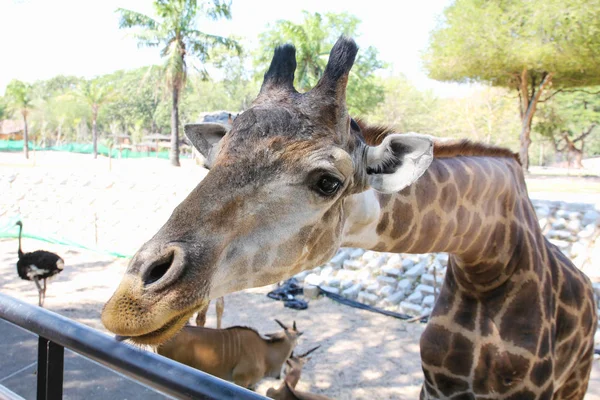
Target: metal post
(41, 368)
(50, 370)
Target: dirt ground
(362, 356)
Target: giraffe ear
(398, 161)
(206, 138)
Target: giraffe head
(272, 205)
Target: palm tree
(175, 31)
(313, 38)
(19, 97)
(95, 95)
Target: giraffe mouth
(160, 335)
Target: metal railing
(57, 333)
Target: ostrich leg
(39, 288)
(44, 292)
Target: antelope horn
(308, 352)
(281, 324)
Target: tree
(175, 30)
(532, 46)
(313, 39)
(567, 121)
(95, 96)
(3, 109)
(20, 100)
(405, 108)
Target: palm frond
(217, 10)
(199, 43)
(133, 19)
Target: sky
(40, 39)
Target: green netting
(17, 145)
(8, 230)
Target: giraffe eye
(328, 185)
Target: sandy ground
(362, 356)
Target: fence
(57, 332)
(115, 152)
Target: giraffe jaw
(159, 335)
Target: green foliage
(3, 109)
(19, 97)
(175, 32)
(136, 107)
(313, 39)
(493, 41)
(486, 116)
(405, 107)
(572, 114)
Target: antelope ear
(206, 138)
(398, 161)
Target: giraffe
(296, 178)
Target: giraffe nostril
(159, 269)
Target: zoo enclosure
(57, 332)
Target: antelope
(238, 354)
(287, 389)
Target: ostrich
(38, 265)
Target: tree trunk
(529, 103)
(95, 132)
(174, 154)
(25, 137)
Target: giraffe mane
(374, 135)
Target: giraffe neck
(475, 208)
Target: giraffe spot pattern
(541, 372)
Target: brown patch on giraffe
(547, 298)
(426, 191)
(498, 372)
(441, 173)
(449, 385)
(446, 298)
(566, 323)
(570, 292)
(461, 177)
(435, 342)
(383, 223)
(548, 394)
(443, 240)
(586, 318)
(448, 198)
(384, 199)
(430, 227)
(554, 269)
(403, 220)
(521, 328)
(467, 312)
(569, 390)
(463, 219)
(564, 349)
(381, 246)
(460, 355)
(544, 347)
(524, 394)
(496, 239)
(541, 372)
